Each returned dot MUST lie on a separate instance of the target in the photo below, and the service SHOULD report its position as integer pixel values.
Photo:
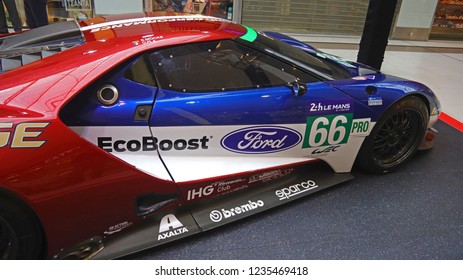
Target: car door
(113, 114)
(225, 108)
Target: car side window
(219, 66)
(141, 72)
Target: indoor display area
(232, 130)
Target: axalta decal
(170, 226)
(261, 140)
(149, 143)
(22, 135)
(219, 215)
(294, 190)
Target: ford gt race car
(126, 132)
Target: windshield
(320, 66)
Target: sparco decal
(288, 192)
(149, 143)
(261, 140)
(170, 226)
(219, 215)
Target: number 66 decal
(327, 130)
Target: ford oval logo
(261, 140)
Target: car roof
(108, 41)
(114, 33)
(164, 26)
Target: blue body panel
(275, 105)
(387, 88)
(86, 110)
(248, 107)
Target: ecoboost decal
(149, 143)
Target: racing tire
(20, 233)
(395, 137)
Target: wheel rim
(8, 241)
(397, 137)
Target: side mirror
(299, 89)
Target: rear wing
(23, 48)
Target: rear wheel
(395, 137)
(20, 233)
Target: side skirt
(170, 225)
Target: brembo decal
(149, 143)
(23, 135)
(218, 215)
(261, 140)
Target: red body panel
(76, 189)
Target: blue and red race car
(122, 133)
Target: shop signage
(78, 5)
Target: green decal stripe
(250, 35)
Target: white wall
(416, 13)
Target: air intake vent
(23, 48)
(16, 58)
(10, 63)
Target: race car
(125, 132)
